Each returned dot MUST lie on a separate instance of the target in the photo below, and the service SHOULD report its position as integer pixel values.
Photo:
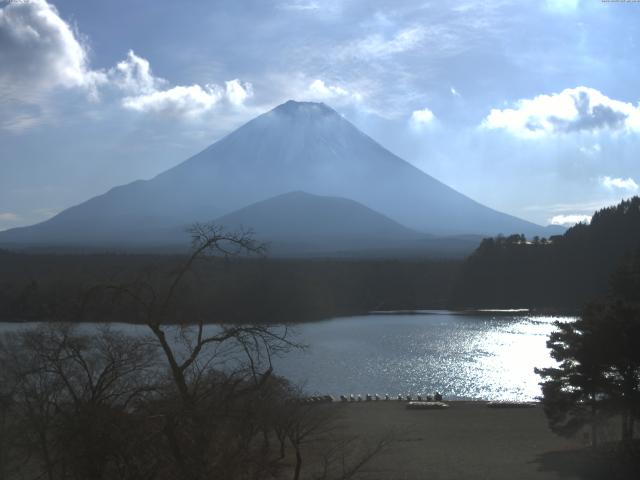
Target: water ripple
(463, 356)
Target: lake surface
(470, 356)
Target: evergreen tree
(599, 371)
(575, 393)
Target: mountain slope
(296, 146)
(301, 222)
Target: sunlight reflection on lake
(462, 356)
(470, 356)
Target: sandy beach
(466, 441)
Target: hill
(565, 271)
(298, 222)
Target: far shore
(551, 312)
(494, 312)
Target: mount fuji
(296, 147)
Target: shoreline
(483, 312)
(322, 399)
(534, 312)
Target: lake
(462, 356)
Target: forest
(562, 272)
(232, 290)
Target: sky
(529, 107)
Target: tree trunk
(296, 475)
(594, 422)
(45, 453)
(174, 445)
(625, 426)
(176, 371)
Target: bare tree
(72, 395)
(306, 423)
(347, 456)
(315, 433)
(212, 364)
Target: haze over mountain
(301, 224)
(296, 147)
(316, 223)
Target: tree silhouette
(599, 356)
(575, 392)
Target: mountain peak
(293, 107)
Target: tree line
(232, 290)
(562, 272)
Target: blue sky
(528, 107)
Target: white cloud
(572, 110)
(317, 8)
(454, 92)
(133, 75)
(192, 100)
(376, 45)
(628, 184)
(148, 93)
(238, 92)
(319, 90)
(300, 5)
(568, 220)
(562, 5)
(422, 117)
(40, 50)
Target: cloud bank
(148, 93)
(579, 109)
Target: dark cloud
(591, 117)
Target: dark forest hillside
(51, 287)
(564, 271)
